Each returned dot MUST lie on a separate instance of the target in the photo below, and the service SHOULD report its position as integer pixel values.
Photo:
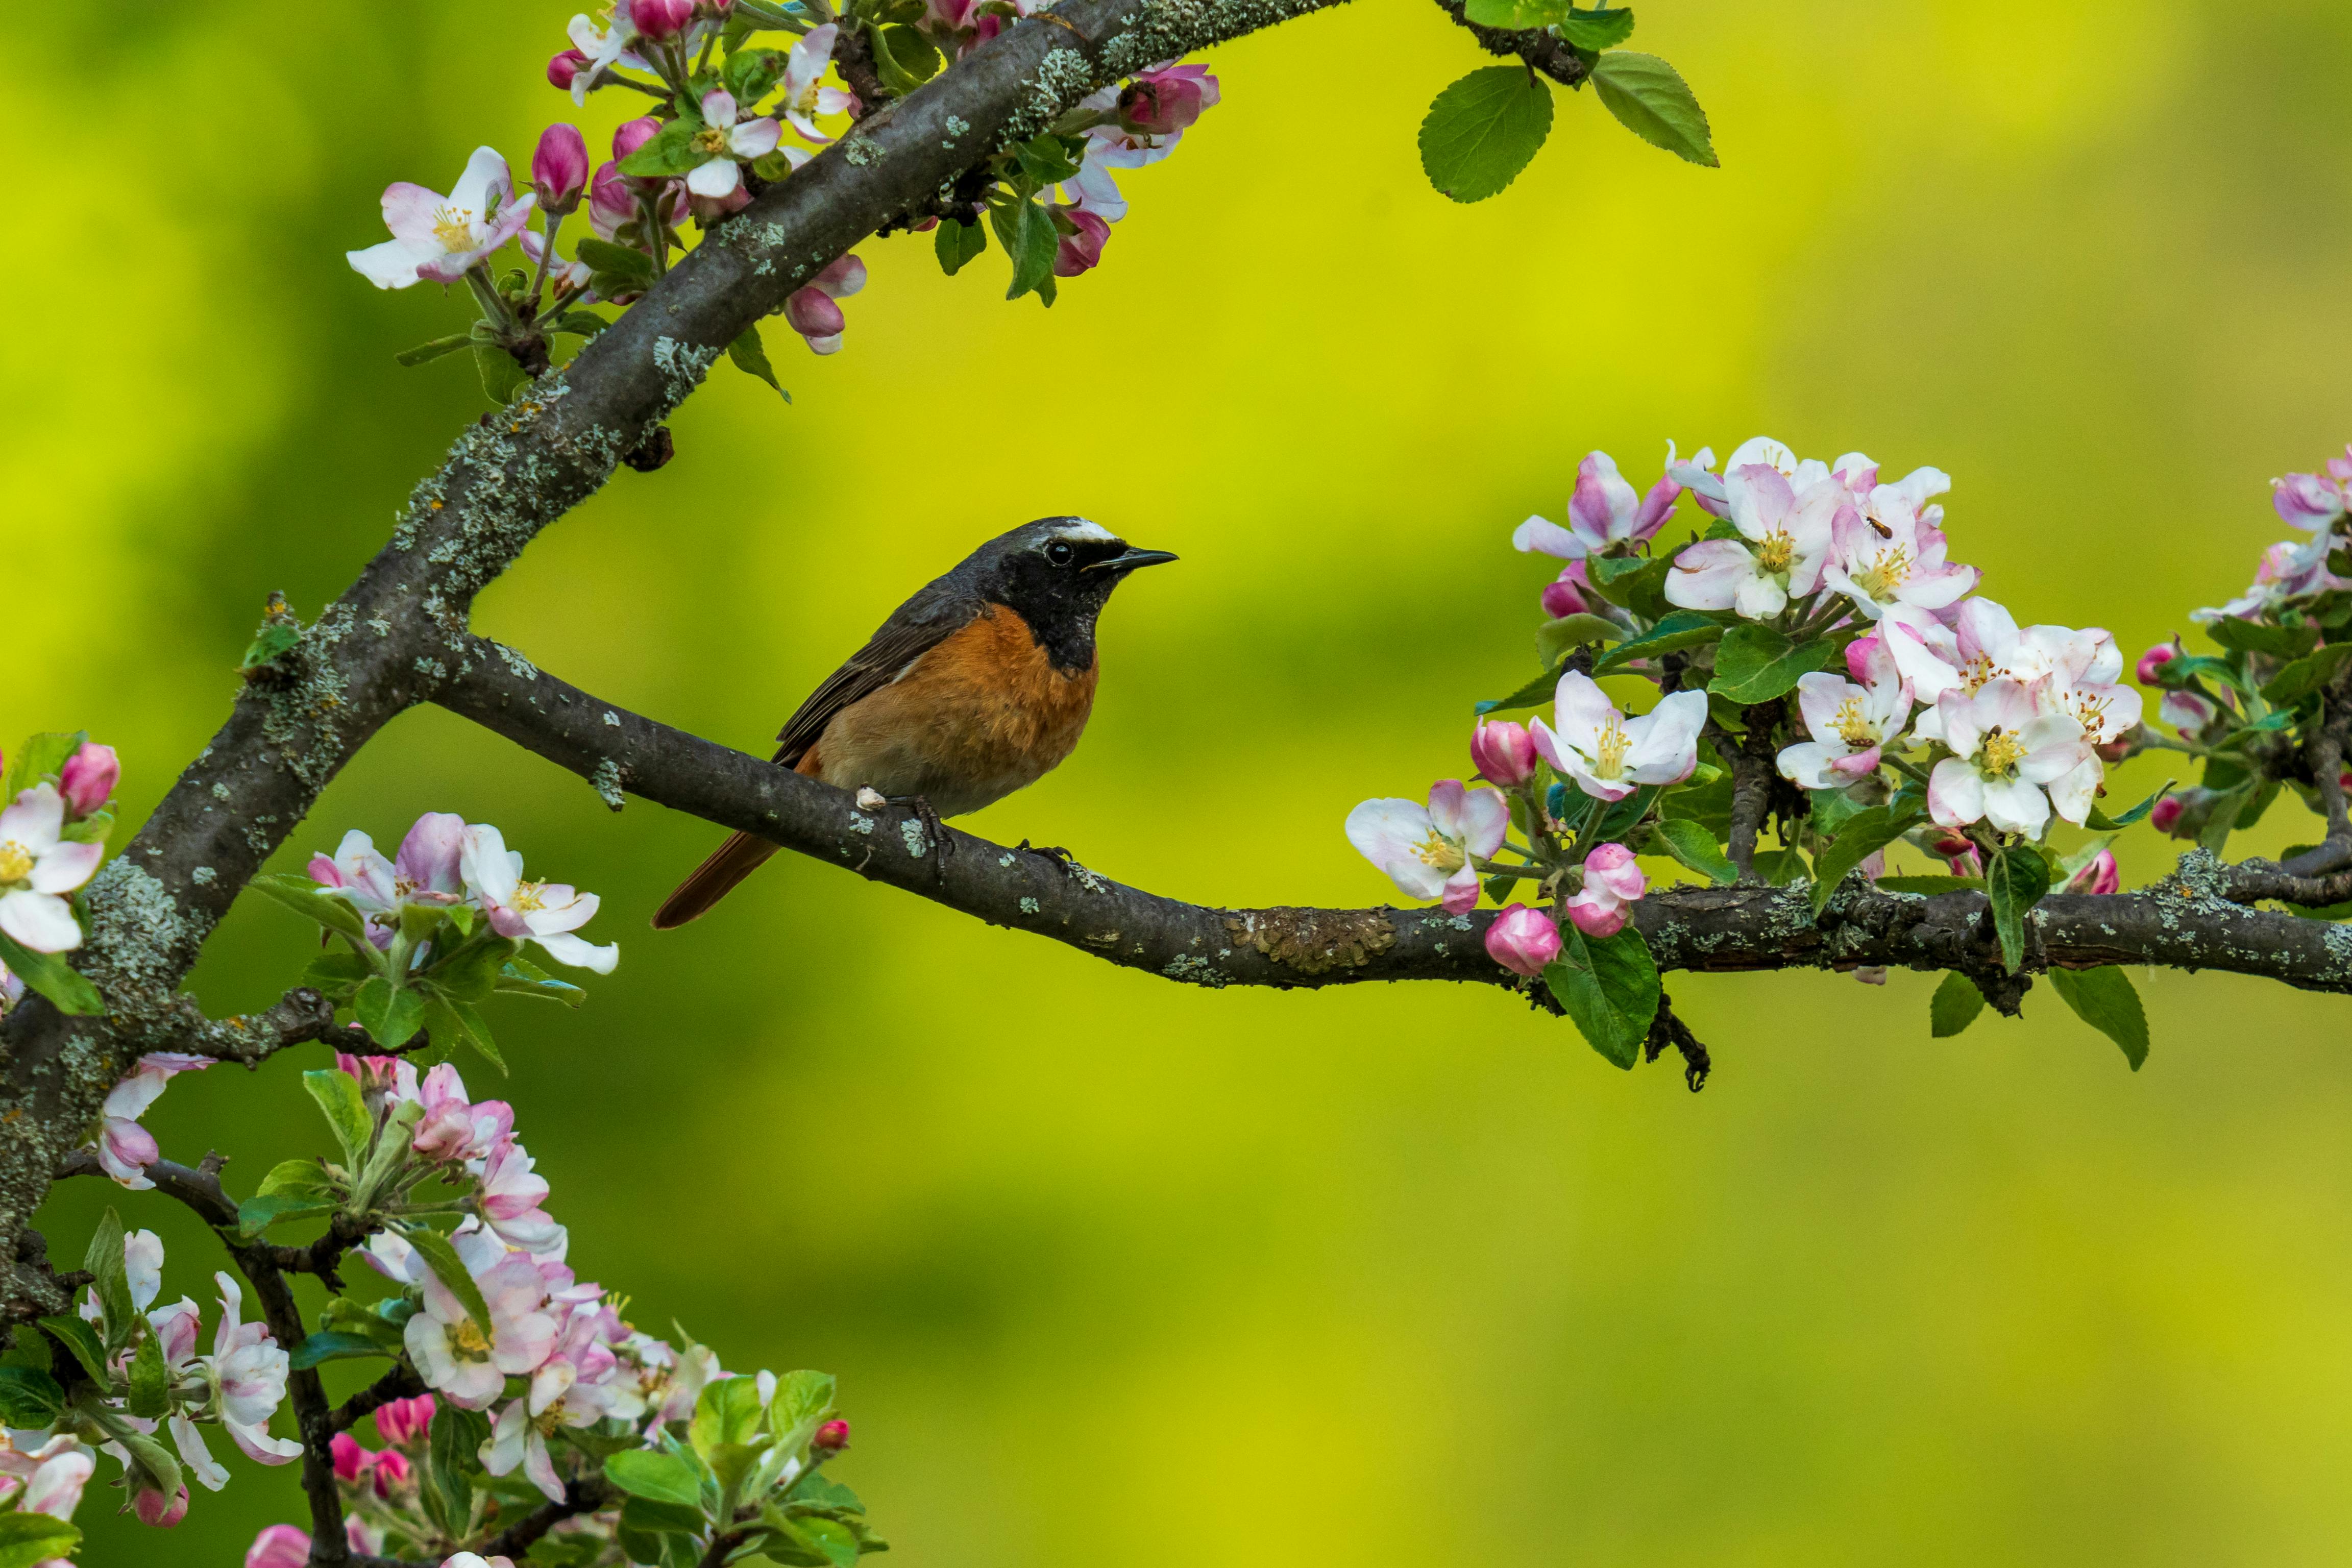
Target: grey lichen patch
(1314, 942)
(607, 781)
(611, 718)
(860, 823)
(1005, 859)
(911, 833)
(139, 941)
(858, 149)
(683, 366)
(1083, 878)
(203, 876)
(433, 668)
(523, 669)
(220, 792)
(1029, 906)
(1064, 77)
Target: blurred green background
(1117, 1272)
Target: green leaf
(1757, 664)
(2104, 999)
(452, 1448)
(452, 1023)
(2306, 676)
(325, 1347)
(151, 1381)
(1534, 694)
(1931, 887)
(1618, 819)
(1650, 98)
(2100, 822)
(66, 988)
(1610, 988)
(2257, 636)
(724, 1416)
(1783, 867)
(617, 260)
(104, 1259)
(651, 1516)
(1954, 1007)
(338, 1095)
(256, 1214)
(2214, 837)
(470, 972)
(81, 1339)
(750, 355)
(1694, 847)
(580, 324)
(29, 1397)
(1028, 238)
(750, 73)
(957, 242)
(670, 151)
(1683, 628)
(663, 1478)
(1603, 29)
(1517, 16)
(802, 1400)
(2016, 878)
(297, 1177)
(520, 978)
(269, 644)
(1860, 835)
(1554, 639)
(151, 1456)
(1637, 583)
(1045, 161)
(26, 1538)
(389, 1016)
(1483, 130)
(309, 901)
(501, 376)
(423, 353)
(442, 1259)
(42, 756)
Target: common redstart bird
(976, 687)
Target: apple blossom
(1609, 756)
(1603, 511)
(438, 237)
(280, 1546)
(811, 311)
(405, 1421)
(1572, 593)
(1093, 207)
(563, 67)
(1787, 531)
(600, 49)
(559, 168)
(2165, 815)
(351, 1460)
(1612, 883)
(125, 1149)
(1433, 852)
(471, 1559)
(2188, 711)
(451, 1129)
(510, 1198)
(1850, 722)
(1523, 939)
(154, 1509)
(2154, 660)
(2100, 875)
(831, 1439)
(49, 1479)
(1167, 99)
(804, 92)
(2311, 502)
(2008, 751)
(88, 779)
(729, 143)
(565, 278)
(1885, 552)
(469, 1361)
(249, 1371)
(38, 868)
(544, 913)
(661, 19)
(1698, 477)
(1504, 752)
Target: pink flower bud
(2099, 877)
(1523, 939)
(1504, 753)
(389, 1472)
(2307, 500)
(1859, 654)
(162, 1512)
(2166, 813)
(661, 18)
(845, 276)
(2153, 659)
(831, 1439)
(405, 1421)
(559, 169)
(1080, 250)
(1569, 595)
(1612, 883)
(812, 314)
(563, 68)
(1596, 918)
(633, 134)
(351, 1459)
(89, 778)
(280, 1546)
(1163, 102)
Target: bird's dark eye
(1059, 552)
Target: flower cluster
(1818, 620)
(53, 835)
(723, 106)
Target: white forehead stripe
(1084, 532)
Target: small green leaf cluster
(1483, 130)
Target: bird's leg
(932, 828)
(1051, 852)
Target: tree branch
(400, 1382)
(2187, 922)
(1544, 51)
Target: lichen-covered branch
(2188, 922)
(1540, 47)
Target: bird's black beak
(1123, 565)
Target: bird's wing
(915, 627)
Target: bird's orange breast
(982, 714)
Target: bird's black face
(1056, 574)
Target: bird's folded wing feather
(915, 627)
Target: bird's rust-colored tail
(713, 880)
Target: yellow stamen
(710, 141)
(1436, 851)
(453, 228)
(1779, 550)
(16, 862)
(1851, 727)
(1611, 760)
(467, 1336)
(2001, 753)
(1975, 672)
(1886, 573)
(526, 897)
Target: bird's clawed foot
(1051, 852)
